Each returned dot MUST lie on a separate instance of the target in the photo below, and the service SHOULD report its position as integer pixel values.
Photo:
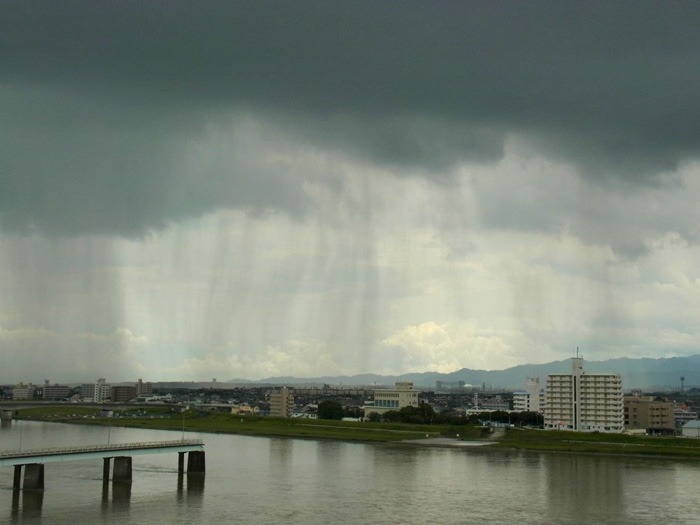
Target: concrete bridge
(33, 460)
(8, 408)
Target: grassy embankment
(164, 418)
(581, 442)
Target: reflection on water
(121, 493)
(194, 485)
(579, 484)
(26, 505)
(280, 452)
(121, 496)
(278, 480)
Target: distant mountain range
(645, 373)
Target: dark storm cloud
(99, 98)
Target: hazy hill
(646, 373)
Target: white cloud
(444, 348)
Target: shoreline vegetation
(164, 418)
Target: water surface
(278, 480)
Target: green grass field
(582, 442)
(168, 418)
(163, 418)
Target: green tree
(391, 416)
(422, 414)
(374, 417)
(531, 419)
(330, 409)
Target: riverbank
(593, 443)
(165, 418)
(213, 422)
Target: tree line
(424, 414)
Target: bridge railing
(99, 448)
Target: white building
(402, 395)
(101, 391)
(682, 415)
(530, 400)
(23, 391)
(584, 402)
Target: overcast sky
(191, 190)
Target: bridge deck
(23, 457)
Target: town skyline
(646, 374)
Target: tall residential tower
(584, 402)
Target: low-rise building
(243, 409)
(643, 412)
(682, 415)
(55, 391)
(122, 393)
(494, 404)
(402, 395)
(691, 429)
(23, 391)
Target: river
(257, 480)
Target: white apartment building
(23, 391)
(530, 400)
(584, 402)
(402, 395)
(101, 391)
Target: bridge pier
(16, 484)
(122, 469)
(33, 477)
(195, 462)
(6, 415)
